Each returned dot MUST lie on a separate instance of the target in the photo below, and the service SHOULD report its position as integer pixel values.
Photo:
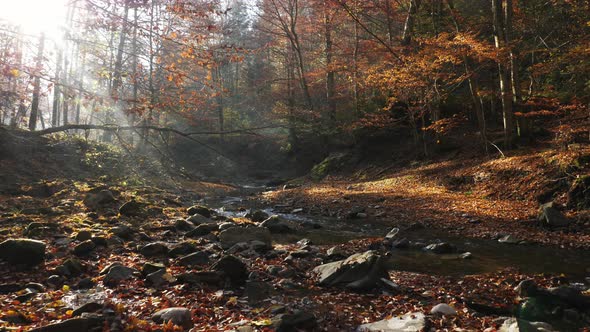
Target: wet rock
(225, 225)
(178, 316)
(84, 248)
(78, 324)
(233, 235)
(55, 280)
(411, 322)
(25, 252)
(516, 325)
(466, 255)
(194, 259)
(117, 274)
(275, 224)
(443, 309)
(201, 230)
(234, 269)
(96, 200)
(392, 233)
(358, 272)
(297, 321)
(201, 210)
(509, 239)
(131, 208)
(400, 244)
(182, 249)
(154, 249)
(257, 215)
(440, 248)
(552, 217)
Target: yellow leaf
(262, 322)
(65, 288)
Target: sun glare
(35, 16)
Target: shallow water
(488, 255)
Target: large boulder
(234, 235)
(22, 251)
(201, 210)
(358, 272)
(410, 322)
(552, 217)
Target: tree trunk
(330, 75)
(37, 85)
(409, 25)
(56, 89)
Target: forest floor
(49, 190)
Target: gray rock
(392, 233)
(26, 252)
(257, 215)
(213, 278)
(552, 217)
(198, 219)
(78, 324)
(440, 248)
(194, 259)
(297, 321)
(70, 268)
(96, 200)
(257, 292)
(443, 309)
(178, 316)
(131, 208)
(466, 255)
(149, 268)
(225, 225)
(509, 239)
(84, 235)
(517, 325)
(335, 252)
(234, 235)
(200, 209)
(411, 322)
(157, 278)
(234, 269)
(84, 248)
(202, 229)
(359, 271)
(117, 274)
(275, 224)
(183, 225)
(181, 249)
(154, 249)
(123, 231)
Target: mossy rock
(332, 163)
(578, 197)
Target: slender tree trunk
(409, 25)
(37, 85)
(56, 90)
(330, 74)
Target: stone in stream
(178, 316)
(149, 268)
(234, 235)
(198, 219)
(257, 215)
(509, 239)
(183, 225)
(182, 248)
(201, 210)
(410, 322)
(517, 325)
(118, 273)
(392, 233)
(358, 272)
(25, 252)
(552, 217)
(441, 248)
